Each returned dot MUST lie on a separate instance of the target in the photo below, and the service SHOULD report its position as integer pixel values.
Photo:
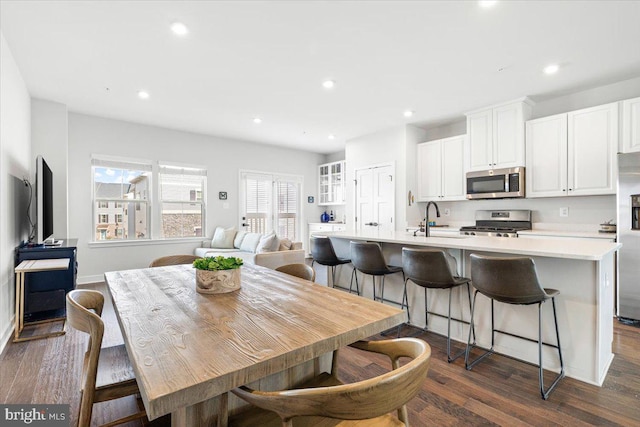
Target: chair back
(322, 251)
(367, 257)
(362, 400)
(508, 280)
(300, 270)
(429, 268)
(173, 260)
(80, 302)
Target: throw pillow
(285, 244)
(237, 242)
(267, 243)
(223, 238)
(250, 242)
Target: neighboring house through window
(182, 205)
(117, 186)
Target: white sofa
(266, 250)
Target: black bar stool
(323, 253)
(435, 269)
(367, 258)
(513, 281)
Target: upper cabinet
(630, 125)
(331, 189)
(440, 170)
(496, 135)
(573, 154)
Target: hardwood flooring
(498, 391)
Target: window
(271, 202)
(117, 186)
(183, 208)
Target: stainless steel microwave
(496, 184)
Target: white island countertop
(582, 249)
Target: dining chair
(368, 402)
(300, 270)
(173, 260)
(107, 373)
(513, 281)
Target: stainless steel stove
(499, 223)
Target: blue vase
(324, 217)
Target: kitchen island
(583, 270)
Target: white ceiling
(245, 59)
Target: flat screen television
(44, 202)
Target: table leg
(212, 412)
(19, 301)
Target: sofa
(266, 250)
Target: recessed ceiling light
(551, 69)
(332, 136)
(257, 120)
(328, 84)
(408, 113)
(486, 4)
(143, 95)
(179, 28)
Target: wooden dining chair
(173, 260)
(300, 270)
(107, 373)
(329, 401)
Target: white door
(375, 198)
(508, 136)
(453, 178)
(480, 131)
(631, 125)
(429, 171)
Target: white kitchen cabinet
(572, 154)
(317, 227)
(440, 170)
(331, 189)
(630, 125)
(496, 135)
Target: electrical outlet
(447, 212)
(564, 211)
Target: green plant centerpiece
(217, 275)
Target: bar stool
(435, 269)
(513, 281)
(367, 258)
(323, 253)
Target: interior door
(375, 198)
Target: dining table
(188, 349)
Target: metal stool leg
(470, 364)
(449, 357)
(545, 393)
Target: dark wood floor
(499, 391)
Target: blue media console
(45, 291)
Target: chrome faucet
(427, 227)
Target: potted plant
(217, 275)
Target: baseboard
(6, 334)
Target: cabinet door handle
(564, 189)
(375, 224)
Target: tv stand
(45, 291)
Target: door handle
(375, 224)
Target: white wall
(396, 146)
(15, 164)
(223, 158)
(49, 135)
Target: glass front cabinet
(331, 184)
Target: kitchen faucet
(426, 217)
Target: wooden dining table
(189, 349)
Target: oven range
(499, 223)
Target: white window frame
(182, 169)
(121, 163)
(272, 215)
